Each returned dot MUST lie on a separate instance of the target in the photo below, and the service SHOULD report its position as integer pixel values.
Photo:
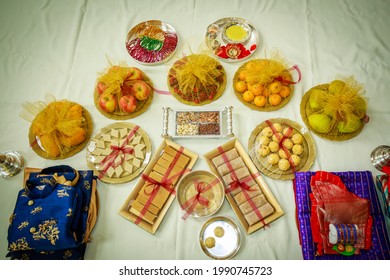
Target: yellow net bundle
(114, 79)
(198, 73)
(265, 71)
(59, 127)
(337, 108)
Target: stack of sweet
(279, 145)
(159, 185)
(242, 187)
(122, 91)
(108, 161)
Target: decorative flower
(234, 51)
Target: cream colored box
(234, 143)
(124, 211)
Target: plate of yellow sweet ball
(280, 147)
(264, 84)
(220, 238)
(60, 130)
(335, 111)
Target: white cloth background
(60, 47)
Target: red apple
(127, 103)
(140, 90)
(107, 102)
(101, 87)
(126, 87)
(134, 74)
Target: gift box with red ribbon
(245, 188)
(155, 191)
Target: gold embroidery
(63, 192)
(24, 194)
(70, 212)
(23, 225)
(48, 230)
(25, 257)
(87, 186)
(50, 181)
(11, 218)
(36, 210)
(67, 254)
(84, 173)
(20, 244)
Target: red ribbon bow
(191, 203)
(166, 184)
(283, 80)
(109, 160)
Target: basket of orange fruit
(264, 84)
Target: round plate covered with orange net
(197, 79)
(123, 92)
(264, 84)
(60, 130)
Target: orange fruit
(260, 100)
(251, 66)
(285, 91)
(248, 96)
(286, 76)
(275, 87)
(266, 91)
(274, 99)
(241, 86)
(242, 75)
(256, 88)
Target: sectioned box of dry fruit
(245, 188)
(203, 123)
(155, 191)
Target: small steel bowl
(215, 195)
(240, 23)
(380, 157)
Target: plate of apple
(123, 92)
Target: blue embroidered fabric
(51, 215)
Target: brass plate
(334, 134)
(126, 176)
(273, 171)
(267, 107)
(142, 105)
(227, 246)
(67, 151)
(215, 195)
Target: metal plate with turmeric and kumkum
(232, 39)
